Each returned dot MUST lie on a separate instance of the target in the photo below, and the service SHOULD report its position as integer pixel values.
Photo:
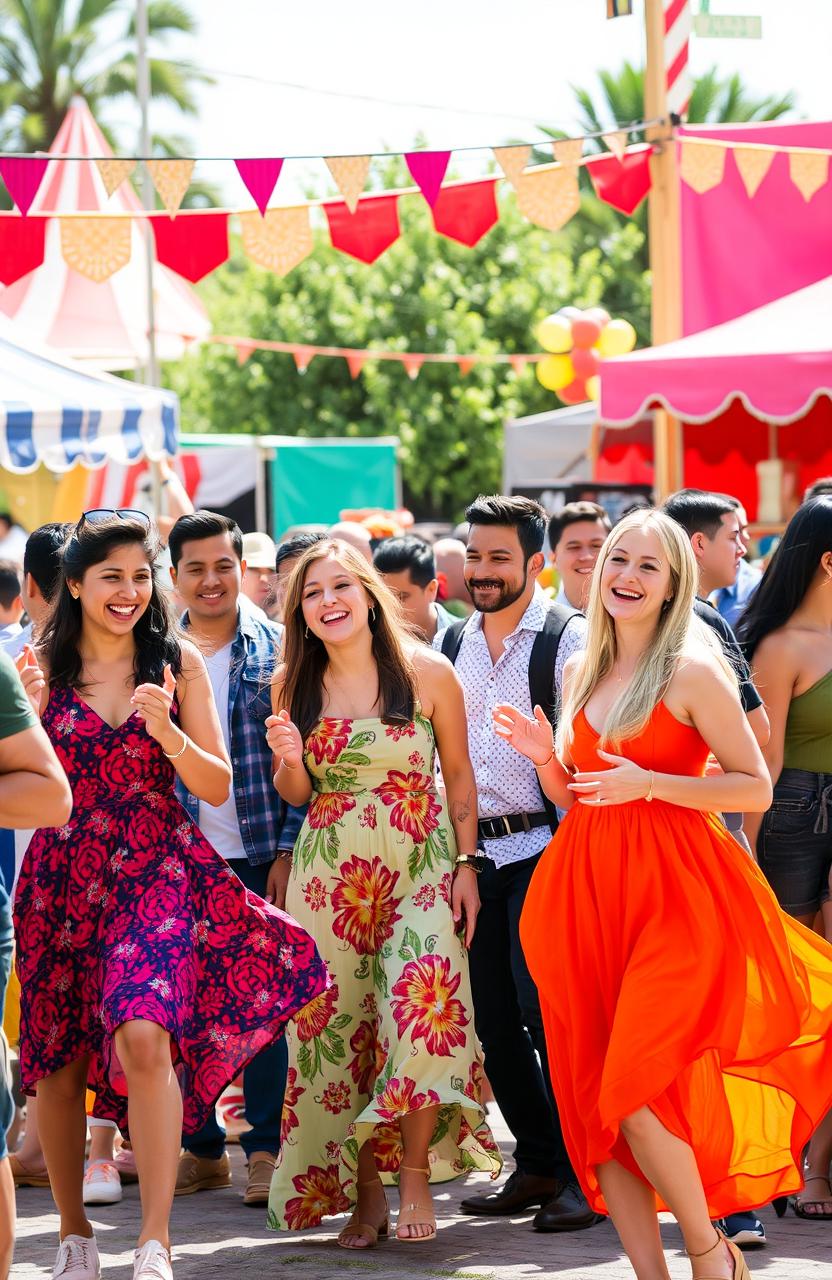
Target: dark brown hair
(306, 658)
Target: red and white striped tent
(104, 324)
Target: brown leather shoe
(260, 1169)
(521, 1191)
(198, 1174)
(567, 1210)
(25, 1177)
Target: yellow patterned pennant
(753, 164)
(114, 172)
(96, 247)
(568, 151)
(279, 240)
(809, 171)
(512, 161)
(171, 178)
(617, 142)
(703, 165)
(350, 174)
(549, 197)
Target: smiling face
(334, 603)
(496, 574)
(115, 593)
(574, 558)
(635, 577)
(209, 577)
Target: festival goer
(41, 578)
(140, 955)
(11, 602)
(258, 579)
(514, 633)
(355, 535)
(692, 1048)
(821, 487)
(731, 601)
(787, 634)
(449, 556)
(254, 831)
(12, 539)
(576, 536)
(285, 558)
(408, 567)
(384, 1077)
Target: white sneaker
(152, 1262)
(77, 1259)
(102, 1185)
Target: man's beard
(505, 596)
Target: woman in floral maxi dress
(384, 1074)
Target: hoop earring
(372, 615)
(306, 633)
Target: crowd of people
(377, 827)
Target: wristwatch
(472, 860)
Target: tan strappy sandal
(365, 1230)
(416, 1215)
(741, 1271)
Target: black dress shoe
(567, 1210)
(521, 1191)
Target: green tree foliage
(425, 294)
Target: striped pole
(678, 22)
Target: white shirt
(218, 823)
(506, 781)
(13, 645)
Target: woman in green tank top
(786, 633)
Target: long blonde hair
(629, 714)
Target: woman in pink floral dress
(384, 1075)
(148, 972)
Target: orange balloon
(575, 393)
(586, 331)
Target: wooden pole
(664, 222)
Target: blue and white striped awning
(52, 411)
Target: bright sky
(487, 71)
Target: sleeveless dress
(371, 881)
(127, 912)
(670, 978)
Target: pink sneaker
(77, 1259)
(125, 1163)
(152, 1262)
(102, 1185)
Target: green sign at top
(723, 26)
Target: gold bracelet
(181, 750)
(649, 796)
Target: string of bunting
(703, 162)
(97, 244)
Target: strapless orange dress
(670, 978)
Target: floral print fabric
(127, 912)
(394, 1033)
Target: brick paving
(216, 1237)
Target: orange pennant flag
(549, 197)
(244, 351)
(171, 178)
(703, 165)
(753, 164)
(303, 357)
(512, 161)
(518, 364)
(412, 365)
(568, 151)
(617, 142)
(350, 174)
(355, 363)
(114, 172)
(466, 364)
(96, 247)
(278, 240)
(809, 171)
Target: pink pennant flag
(355, 363)
(260, 178)
(412, 365)
(302, 357)
(22, 176)
(427, 169)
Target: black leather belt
(510, 824)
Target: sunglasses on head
(99, 514)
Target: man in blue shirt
(254, 830)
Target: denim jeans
(264, 1079)
(794, 846)
(510, 1025)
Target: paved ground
(216, 1236)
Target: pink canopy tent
(105, 323)
(748, 390)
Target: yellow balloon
(555, 334)
(593, 387)
(617, 338)
(555, 372)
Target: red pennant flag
(427, 169)
(21, 246)
(303, 357)
(366, 233)
(191, 246)
(467, 212)
(622, 183)
(355, 363)
(260, 178)
(466, 364)
(22, 175)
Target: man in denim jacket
(254, 829)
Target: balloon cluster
(578, 341)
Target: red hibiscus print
(399, 1098)
(312, 1019)
(291, 1097)
(328, 739)
(397, 731)
(415, 808)
(367, 817)
(320, 1193)
(424, 1000)
(328, 807)
(364, 904)
(336, 1097)
(314, 894)
(445, 885)
(369, 1057)
(425, 898)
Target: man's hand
(278, 880)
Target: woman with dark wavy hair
(148, 973)
(384, 1075)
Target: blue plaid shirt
(266, 822)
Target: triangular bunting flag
(193, 246)
(512, 161)
(703, 165)
(278, 240)
(350, 174)
(171, 178)
(355, 363)
(96, 247)
(113, 172)
(427, 169)
(412, 365)
(549, 197)
(518, 364)
(22, 243)
(617, 142)
(245, 350)
(809, 171)
(466, 364)
(622, 183)
(22, 176)
(303, 357)
(466, 212)
(366, 233)
(568, 151)
(753, 164)
(260, 179)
